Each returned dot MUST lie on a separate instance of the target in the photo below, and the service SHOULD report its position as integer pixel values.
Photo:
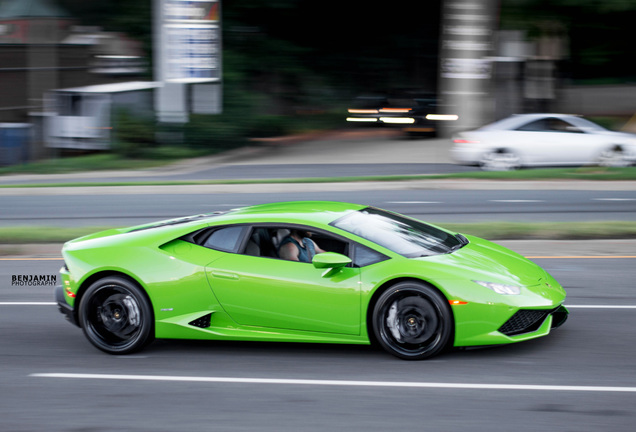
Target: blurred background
(78, 77)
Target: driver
(298, 246)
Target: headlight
(500, 288)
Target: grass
(548, 230)
(488, 230)
(43, 234)
(588, 173)
(582, 173)
(104, 161)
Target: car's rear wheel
(116, 316)
(499, 160)
(412, 320)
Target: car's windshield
(399, 234)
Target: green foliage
(133, 134)
(104, 161)
(269, 126)
(598, 33)
(214, 133)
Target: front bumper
(64, 308)
(530, 320)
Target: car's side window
(266, 241)
(364, 256)
(558, 125)
(569, 127)
(550, 125)
(225, 239)
(534, 126)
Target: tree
(599, 33)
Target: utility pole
(467, 43)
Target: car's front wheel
(613, 157)
(116, 316)
(412, 320)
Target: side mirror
(330, 260)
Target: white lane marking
(32, 259)
(414, 202)
(224, 205)
(613, 199)
(27, 303)
(340, 383)
(517, 201)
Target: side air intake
(202, 322)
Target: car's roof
(517, 120)
(318, 212)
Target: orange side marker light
(457, 302)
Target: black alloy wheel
(116, 316)
(412, 321)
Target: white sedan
(543, 140)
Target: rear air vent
(202, 322)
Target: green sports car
(304, 272)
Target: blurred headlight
(397, 120)
(500, 288)
(361, 119)
(442, 117)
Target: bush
(265, 126)
(133, 135)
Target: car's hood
(493, 263)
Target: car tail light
(395, 110)
(465, 141)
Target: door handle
(225, 275)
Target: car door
(268, 292)
(555, 141)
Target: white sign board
(187, 58)
(190, 41)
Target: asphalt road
(437, 206)
(579, 378)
